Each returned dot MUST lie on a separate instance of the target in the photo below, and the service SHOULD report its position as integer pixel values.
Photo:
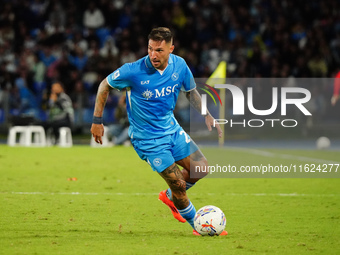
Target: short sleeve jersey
(152, 95)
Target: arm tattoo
(102, 94)
(195, 99)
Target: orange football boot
(164, 198)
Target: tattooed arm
(97, 130)
(195, 100)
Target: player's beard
(158, 64)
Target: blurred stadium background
(81, 42)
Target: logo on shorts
(157, 161)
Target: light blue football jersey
(152, 96)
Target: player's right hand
(334, 99)
(209, 121)
(97, 131)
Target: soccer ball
(209, 220)
(323, 143)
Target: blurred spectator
(178, 18)
(94, 58)
(57, 18)
(109, 48)
(76, 39)
(7, 57)
(125, 17)
(23, 101)
(61, 113)
(91, 37)
(93, 17)
(79, 59)
(127, 56)
(64, 71)
(38, 69)
(318, 66)
(80, 101)
(46, 56)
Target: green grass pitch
(112, 207)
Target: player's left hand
(209, 121)
(97, 131)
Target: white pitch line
(155, 194)
(286, 156)
(80, 193)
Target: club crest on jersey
(147, 94)
(174, 76)
(116, 74)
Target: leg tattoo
(174, 178)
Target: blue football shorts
(162, 152)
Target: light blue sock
(189, 185)
(169, 193)
(189, 214)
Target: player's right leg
(174, 178)
(194, 161)
(190, 162)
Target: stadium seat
(28, 136)
(65, 137)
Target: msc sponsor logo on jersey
(165, 91)
(147, 94)
(159, 92)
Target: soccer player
(152, 86)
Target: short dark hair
(161, 33)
